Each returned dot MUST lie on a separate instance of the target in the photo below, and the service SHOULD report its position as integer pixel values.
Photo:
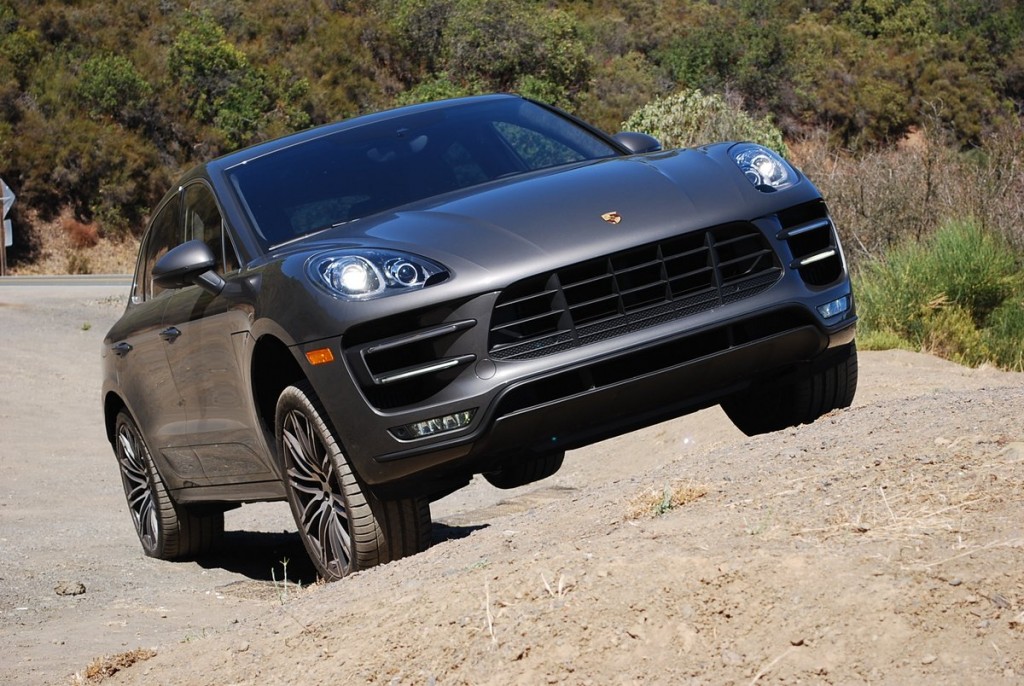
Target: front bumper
(591, 394)
(450, 359)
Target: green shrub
(21, 49)
(692, 118)
(618, 86)
(439, 87)
(973, 268)
(949, 331)
(499, 45)
(223, 88)
(110, 85)
(1005, 333)
(942, 295)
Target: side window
(203, 222)
(164, 234)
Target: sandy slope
(882, 544)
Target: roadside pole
(6, 233)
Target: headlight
(368, 274)
(763, 168)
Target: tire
(343, 525)
(525, 472)
(166, 530)
(828, 386)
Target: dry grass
(884, 197)
(937, 507)
(80, 235)
(67, 246)
(657, 501)
(104, 667)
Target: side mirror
(637, 143)
(187, 264)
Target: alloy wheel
(322, 509)
(137, 486)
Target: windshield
(379, 166)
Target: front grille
(631, 290)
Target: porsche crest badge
(612, 217)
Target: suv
(360, 317)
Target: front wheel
(829, 385)
(167, 530)
(343, 525)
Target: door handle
(170, 334)
(121, 349)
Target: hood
(556, 217)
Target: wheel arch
(273, 368)
(112, 405)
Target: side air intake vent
(812, 239)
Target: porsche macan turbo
(360, 317)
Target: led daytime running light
(434, 426)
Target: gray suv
(360, 317)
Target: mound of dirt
(883, 543)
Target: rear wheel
(526, 471)
(166, 530)
(829, 385)
(343, 525)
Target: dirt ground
(883, 544)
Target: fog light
(834, 308)
(432, 427)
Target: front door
(207, 344)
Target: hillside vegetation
(906, 113)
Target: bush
(439, 87)
(111, 86)
(692, 118)
(481, 45)
(1004, 335)
(226, 90)
(942, 295)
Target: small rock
(1014, 452)
(69, 588)
(928, 659)
(796, 642)
(998, 599)
(730, 657)
(955, 582)
(242, 647)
